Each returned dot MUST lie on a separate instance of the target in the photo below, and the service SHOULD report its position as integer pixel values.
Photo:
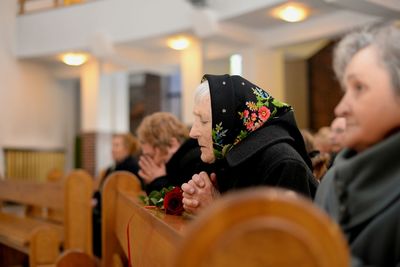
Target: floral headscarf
(238, 108)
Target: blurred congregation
(199, 133)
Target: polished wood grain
(153, 235)
(254, 227)
(75, 258)
(263, 227)
(40, 237)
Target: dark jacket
(181, 167)
(361, 192)
(269, 156)
(129, 164)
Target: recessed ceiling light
(74, 59)
(291, 12)
(178, 43)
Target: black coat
(129, 164)
(269, 156)
(181, 167)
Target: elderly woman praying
(250, 137)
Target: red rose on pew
(173, 202)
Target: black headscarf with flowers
(238, 108)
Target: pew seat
(17, 232)
(42, 237)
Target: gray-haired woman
(362, 190)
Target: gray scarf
(359, 186)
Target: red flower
(173, 202)
(264, 113)
(253, 116)
(246, 113)
(249, 125)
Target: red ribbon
(128, 240)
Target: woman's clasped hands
(199, 192)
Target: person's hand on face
(199, 192)
(150, 169)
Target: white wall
(37, 110)
(217, 66)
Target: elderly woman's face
(370, 106)
(201, 129)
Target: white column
(191, 72)
(104, 99)
(90, 83)
(104, 108)
(266, 69)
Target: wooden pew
(263, 227)
(41, 238)
(153, 243)
(255, 227)
(119, 203)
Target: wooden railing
(27, 6)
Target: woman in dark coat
(362, 189)
(251, 138)
(169, 157)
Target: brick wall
(88, 151)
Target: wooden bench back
(120, 191)
(263, 227)
(41, 194)
(75, 258)
(72, 196)
(78, 211)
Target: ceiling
(328, 19)
(222, 34)
(261, 20)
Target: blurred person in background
(320, 160)
(336, 137)
(124, 148)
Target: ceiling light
(291, 12)
(74, 59)
(178, 43)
